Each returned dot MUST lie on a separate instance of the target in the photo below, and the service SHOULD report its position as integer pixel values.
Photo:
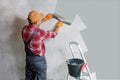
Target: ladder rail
(81, 54)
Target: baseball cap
(35, 16)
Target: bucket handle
(82, 55)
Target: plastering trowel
(60, 18)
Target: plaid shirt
(37, 43)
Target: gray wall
(102, 36)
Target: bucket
(74, 67)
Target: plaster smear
(59, 52)
(13, 18)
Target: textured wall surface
(12, 19)
(12, 55)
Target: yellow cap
(35, 16)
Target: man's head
(35, 17)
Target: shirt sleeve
(50, 34)
(24, 34)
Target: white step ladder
(84, 75)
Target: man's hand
(48, 16)
(59, 24)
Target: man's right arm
(58, 26)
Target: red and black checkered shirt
(37, 43)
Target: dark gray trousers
(36, 66)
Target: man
(34, 38)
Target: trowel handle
(55, 17)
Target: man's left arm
(53, 33)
